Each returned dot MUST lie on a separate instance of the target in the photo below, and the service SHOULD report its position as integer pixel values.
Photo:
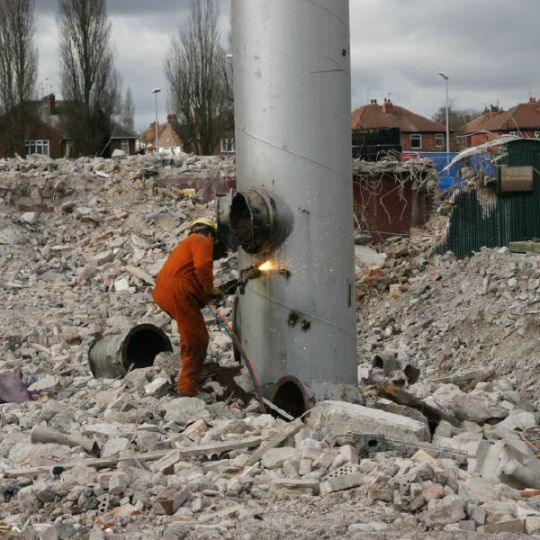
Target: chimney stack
(172, 118)
(387, 105)
(373, 102)
(51, 101)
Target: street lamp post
(156, 91)
(445, 77)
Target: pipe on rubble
(112, 356)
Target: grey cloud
(489, 48)
(133, 8)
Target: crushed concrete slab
(340, 418)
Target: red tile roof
(148, 136)
(476, 124)
(521, 116)
(388, 115)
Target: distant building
(522, 120)
(226, 146)
(174, 138)
(378, 128)
(46, 132)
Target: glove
(216, 294)
(229, 287)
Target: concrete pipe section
(113, 356)
(297, 397)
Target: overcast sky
(489, 48)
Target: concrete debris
(12, 388)
(341, 479)
(340, 418)
(81, 457)
(169, 500)
(184, 410)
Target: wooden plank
(42, 434)
(105, 463)
(465, 377)
(219, 448)
(290, 430)
(98, 463)
(524, 247)
(401, 397)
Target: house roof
(171, 130)
(521, 116)
(476, 124)
(388, 115)
(121, 132)
(55, 118)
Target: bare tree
(90, 81)
(457, 117)
(197, 72)
(127, 116)
(18, 70)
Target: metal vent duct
(293, 142)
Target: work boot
(179, 393)
(186, 392)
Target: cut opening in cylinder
(114, 355)
(241, 221)
(296, 397)
(289, 395)
(252, 220)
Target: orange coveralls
(183, 287)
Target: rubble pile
(399, 259)
(84, 457)
(40, 182)
(420, 171)
(445, 314)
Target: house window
(514, 133)
(227, 145)
(439, 140)
(124, 146)
(537, 134)
(36, 146)
(416, 140)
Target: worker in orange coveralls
(184, 286)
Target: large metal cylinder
(293, 140)
(113, 356)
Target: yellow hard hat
(205, 221)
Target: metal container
(296, 397)
(293, 142)
(113, 356)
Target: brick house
(174, 138)
(406, 131)
(522, 120)
(124, 139)
(46, 131)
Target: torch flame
(267, 266)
